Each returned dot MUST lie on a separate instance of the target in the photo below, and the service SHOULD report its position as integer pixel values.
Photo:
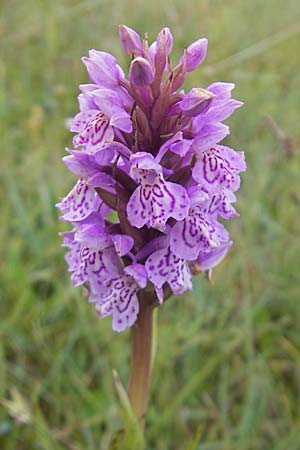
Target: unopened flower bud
(197, 101)
(195, 54)
(164, 46)
(130, 40)
(141, 73)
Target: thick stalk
(141, 350)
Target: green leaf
(193, 444)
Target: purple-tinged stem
(141, 351)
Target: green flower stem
(141, 356)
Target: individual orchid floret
(97, 266)
(164, 267)
(154, 179)
(93, 128)
(154, 200)
(119, 298)
(103, 69)
(79, 203)
(218, 168)
(194, 234)
(121, 302)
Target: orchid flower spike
(153, 179)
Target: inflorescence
(153, 178)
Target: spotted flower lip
(79, 203)
(164, 267)
(153, 176)
(155, 200)
(94, 130)
(218, 168)
(194, 234)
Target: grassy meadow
(227, 371)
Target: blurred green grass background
(227, 373)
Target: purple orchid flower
(153, 178)
(154, 200)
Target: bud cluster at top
(153, 180)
